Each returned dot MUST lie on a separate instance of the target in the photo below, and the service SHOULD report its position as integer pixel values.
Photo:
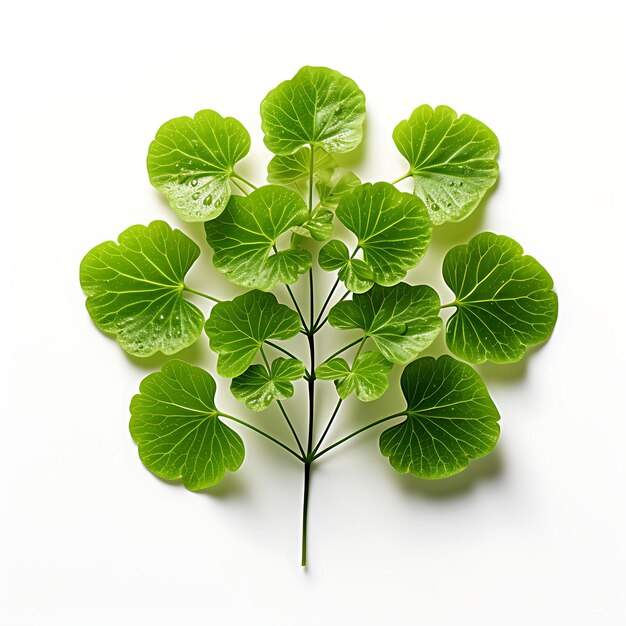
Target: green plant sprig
(136, 290)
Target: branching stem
(200, 293)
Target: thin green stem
(330, 295)
(200, 293)
(321, 324)
(244, 191)
(310, 384)
(243, 180)
(280, 349)
(305, 509)
(264, 434)
(445, 306)
(282, 408)
(358, 351)
(407, 175)
(357, 432)
(330, 423)
(353, 343)
(295, 303)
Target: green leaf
(238, 328)
(257, 387)
(191, 161)
(332, 184)
(244, 236)
(318, 107)
(452, 160)
(450, 420)
(355, 274)
(504, 300)
(393, 229)
(319, 225)
(135, 289)
(177, 427)
(402, 320)
(368, 375)
(293, 169)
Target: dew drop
(194, 182)
(208, 200)
(196, 195)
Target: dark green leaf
(504, 300)
(257, 387)
(237, 329)
(244, 236)
(402, 320)
(452, 160)
(135, 289)
(177, 427)
(450, 420)
(318, 107)
(191, 160)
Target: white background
(533, 532)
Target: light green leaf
(293, 169)
(452, 160)
(368, 375)
(356, 275)
(135, 289)
(318, 107)
(403, 320)
(504, 300)
(393, 229)
(177, 427)
(257, 387)
(238, 328)
(450, 420)
(332, 184)
(190, 161)
(319, 225)
(244, 236)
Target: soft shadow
(355, 157)
(453, 233)
(230, 486)
(196, 353)
(486, 468)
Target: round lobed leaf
(504, 300)
(393, 229)
(238, 328)
(176, 425)
(450, 420)
(452, 160)
(258, 387)
(135, 289)
(317, 107)
(367, 377)
(402, 320)
(190, 162)
(244, 237)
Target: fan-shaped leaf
(452, 160)
(177, 427)
(393, 229)
(244, 237)
(238, 328)
(135, 289)
(504, 300)
(257, 387)
(367, 377)
(318, 107)
(402, 320)
(356, 275)
(294, 169)
(332, 184)
(450, 420)
(190, 161)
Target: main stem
(311, 383)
